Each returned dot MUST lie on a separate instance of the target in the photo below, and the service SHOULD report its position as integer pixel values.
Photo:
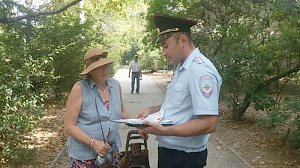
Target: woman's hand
(142, 114)
(145, 112)
(101, 148)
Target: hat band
(167, 31)
(94, 59)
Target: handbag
(134, 156)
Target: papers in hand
(155, 117)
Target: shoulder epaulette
(198, 60)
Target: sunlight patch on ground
(48, 117)
(42, 137)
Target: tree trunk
(239, 112)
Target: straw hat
(94, 58)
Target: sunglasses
(94, 59)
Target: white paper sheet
(155, 117)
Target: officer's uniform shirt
(194, 91)
(135, 66)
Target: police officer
(191, 100)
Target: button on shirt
(135, 66)
(186, 98)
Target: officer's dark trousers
(135, 76)
(180, 159)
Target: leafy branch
(6, 20)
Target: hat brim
(96, 64)
(163, 37)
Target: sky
(36, 3)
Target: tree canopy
(254, 45)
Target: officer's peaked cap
(167, 25)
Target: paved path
(219, 156)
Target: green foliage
(42, 57)
(274, 118)
(250, 42)
(254, 44)
(294, 139)
(22, 156)
(66, 44)
(292, 104)
(245, 40)
(26, 65)
(263, 101)
(152, 60)
(287, 113)
(20, 104)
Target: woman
(91, 105)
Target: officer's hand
(128, 76)
(101, 148)
(154, 128)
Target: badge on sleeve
(207, 85)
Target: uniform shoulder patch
(198, 60)
(207, 85)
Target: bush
(274, 118)
(294, 139)
(288, 112)
(20, 104)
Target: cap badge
(167, 31)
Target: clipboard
(154, 117)
(143, 125)
(140, 123)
